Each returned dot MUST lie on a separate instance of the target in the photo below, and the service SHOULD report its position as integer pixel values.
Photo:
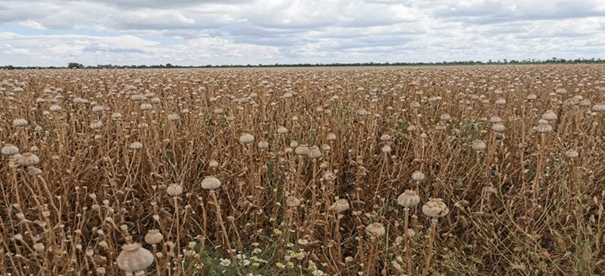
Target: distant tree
(75, 65)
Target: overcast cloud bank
(125, 32)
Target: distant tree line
(554, 60)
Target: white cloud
(32, 24)
(127, 49)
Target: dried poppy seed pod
(408, 199)
(97, 109)
(213, 164)
(19, 123)
(446, 117)
(292, 201)
(55, 108)
(544, 128)
(28, 159)
(174, 117)
(116, 116)
(500, 102)
(136, 145)
(375, 230)
(96, 125)
(282, 130)
(137, 97)
(314, 152)
(386, 149)
(9, 150)
(331, 137)
(134, 258)
(479, 145)
(495, 120)
(146, 107)
(363, 112)
(585, 103)
(39, 247)
(263, 145)
(246, 138)
(571, 154)
(329, 176)
(326, 148)
(550, 116)
(218, 111)
(385, 137)
(340, 206)
(598, 108)
(418, 176)
(301, 150)
(34, 171)
(498, 128)
(153, 236)
(174, 190)
(435, 208)
(531, 97)
(210, 183)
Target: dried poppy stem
(435, 208)
(374, 231)
(176, 221)
(429, 252)
(224, 230)
(539, 169)
(385, 163)
(406, 238)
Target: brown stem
(222, 224)
(429, 253)
(408, 253)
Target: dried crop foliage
(491, 170)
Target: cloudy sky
(200, 32)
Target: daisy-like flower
(317, 272)
(257, 251)
(255, 244)
(255, 264)
(241, 256)
(245, 262)
(280, 265)
(289, 264)
(225, 262)
(302, 241)
(277, 231)
(299, 255)
(289, 244)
